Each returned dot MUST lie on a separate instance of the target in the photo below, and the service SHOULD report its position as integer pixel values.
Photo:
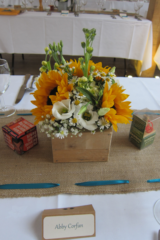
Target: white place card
(68, 223)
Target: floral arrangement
(78, 95)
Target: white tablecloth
(31, 32)
(91, 5)
(118, 216)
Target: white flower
(40, 123)
(68, 63)
(103, 123)
(96, 74)
(93, 132)
(51, 128)
(63, 133)
(73, 121)
(77, 102)
(79, 126)
(65, 125)
(63, 109)
(64, 121)
(73, 80)
(88, 118)
(80, 134)
(45, 126)
(74, 131)
(55, 124)
(51, 121)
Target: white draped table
(31, 32)
(119, 216)
(91, 5)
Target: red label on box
(20, 135)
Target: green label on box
(137, 136)
(148, 140)
(139, 125)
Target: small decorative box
(20, 135)
(68, 223)
(143, 128)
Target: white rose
(87, 124)
(63, 109)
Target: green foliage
(103, 111)
(83, 108)
(88, 95)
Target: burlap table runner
(36, 166)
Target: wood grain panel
(88, 148)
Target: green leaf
(103, 111)
(86, 93)
(113, 81)
(113, 70)
(83, 108)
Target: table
(91, 5)
(31, 32)
(118, 216)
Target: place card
(123, 15)
(64, 13)
(20, 135)
(68, 223)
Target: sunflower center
(53, 92)
(87, 116)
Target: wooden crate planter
(88, 148)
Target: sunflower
(98, 67)
(77, 69)
(120, 111)
(49, 83)
(79, 73)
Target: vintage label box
(138, 135)
(68, 223)
(20, 135)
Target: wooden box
(68, 223)
(87, 148)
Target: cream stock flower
(92, 116)
(63, 109)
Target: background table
(91, 5)
(31, 32)
(118, 216)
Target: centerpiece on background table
(77, 103)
